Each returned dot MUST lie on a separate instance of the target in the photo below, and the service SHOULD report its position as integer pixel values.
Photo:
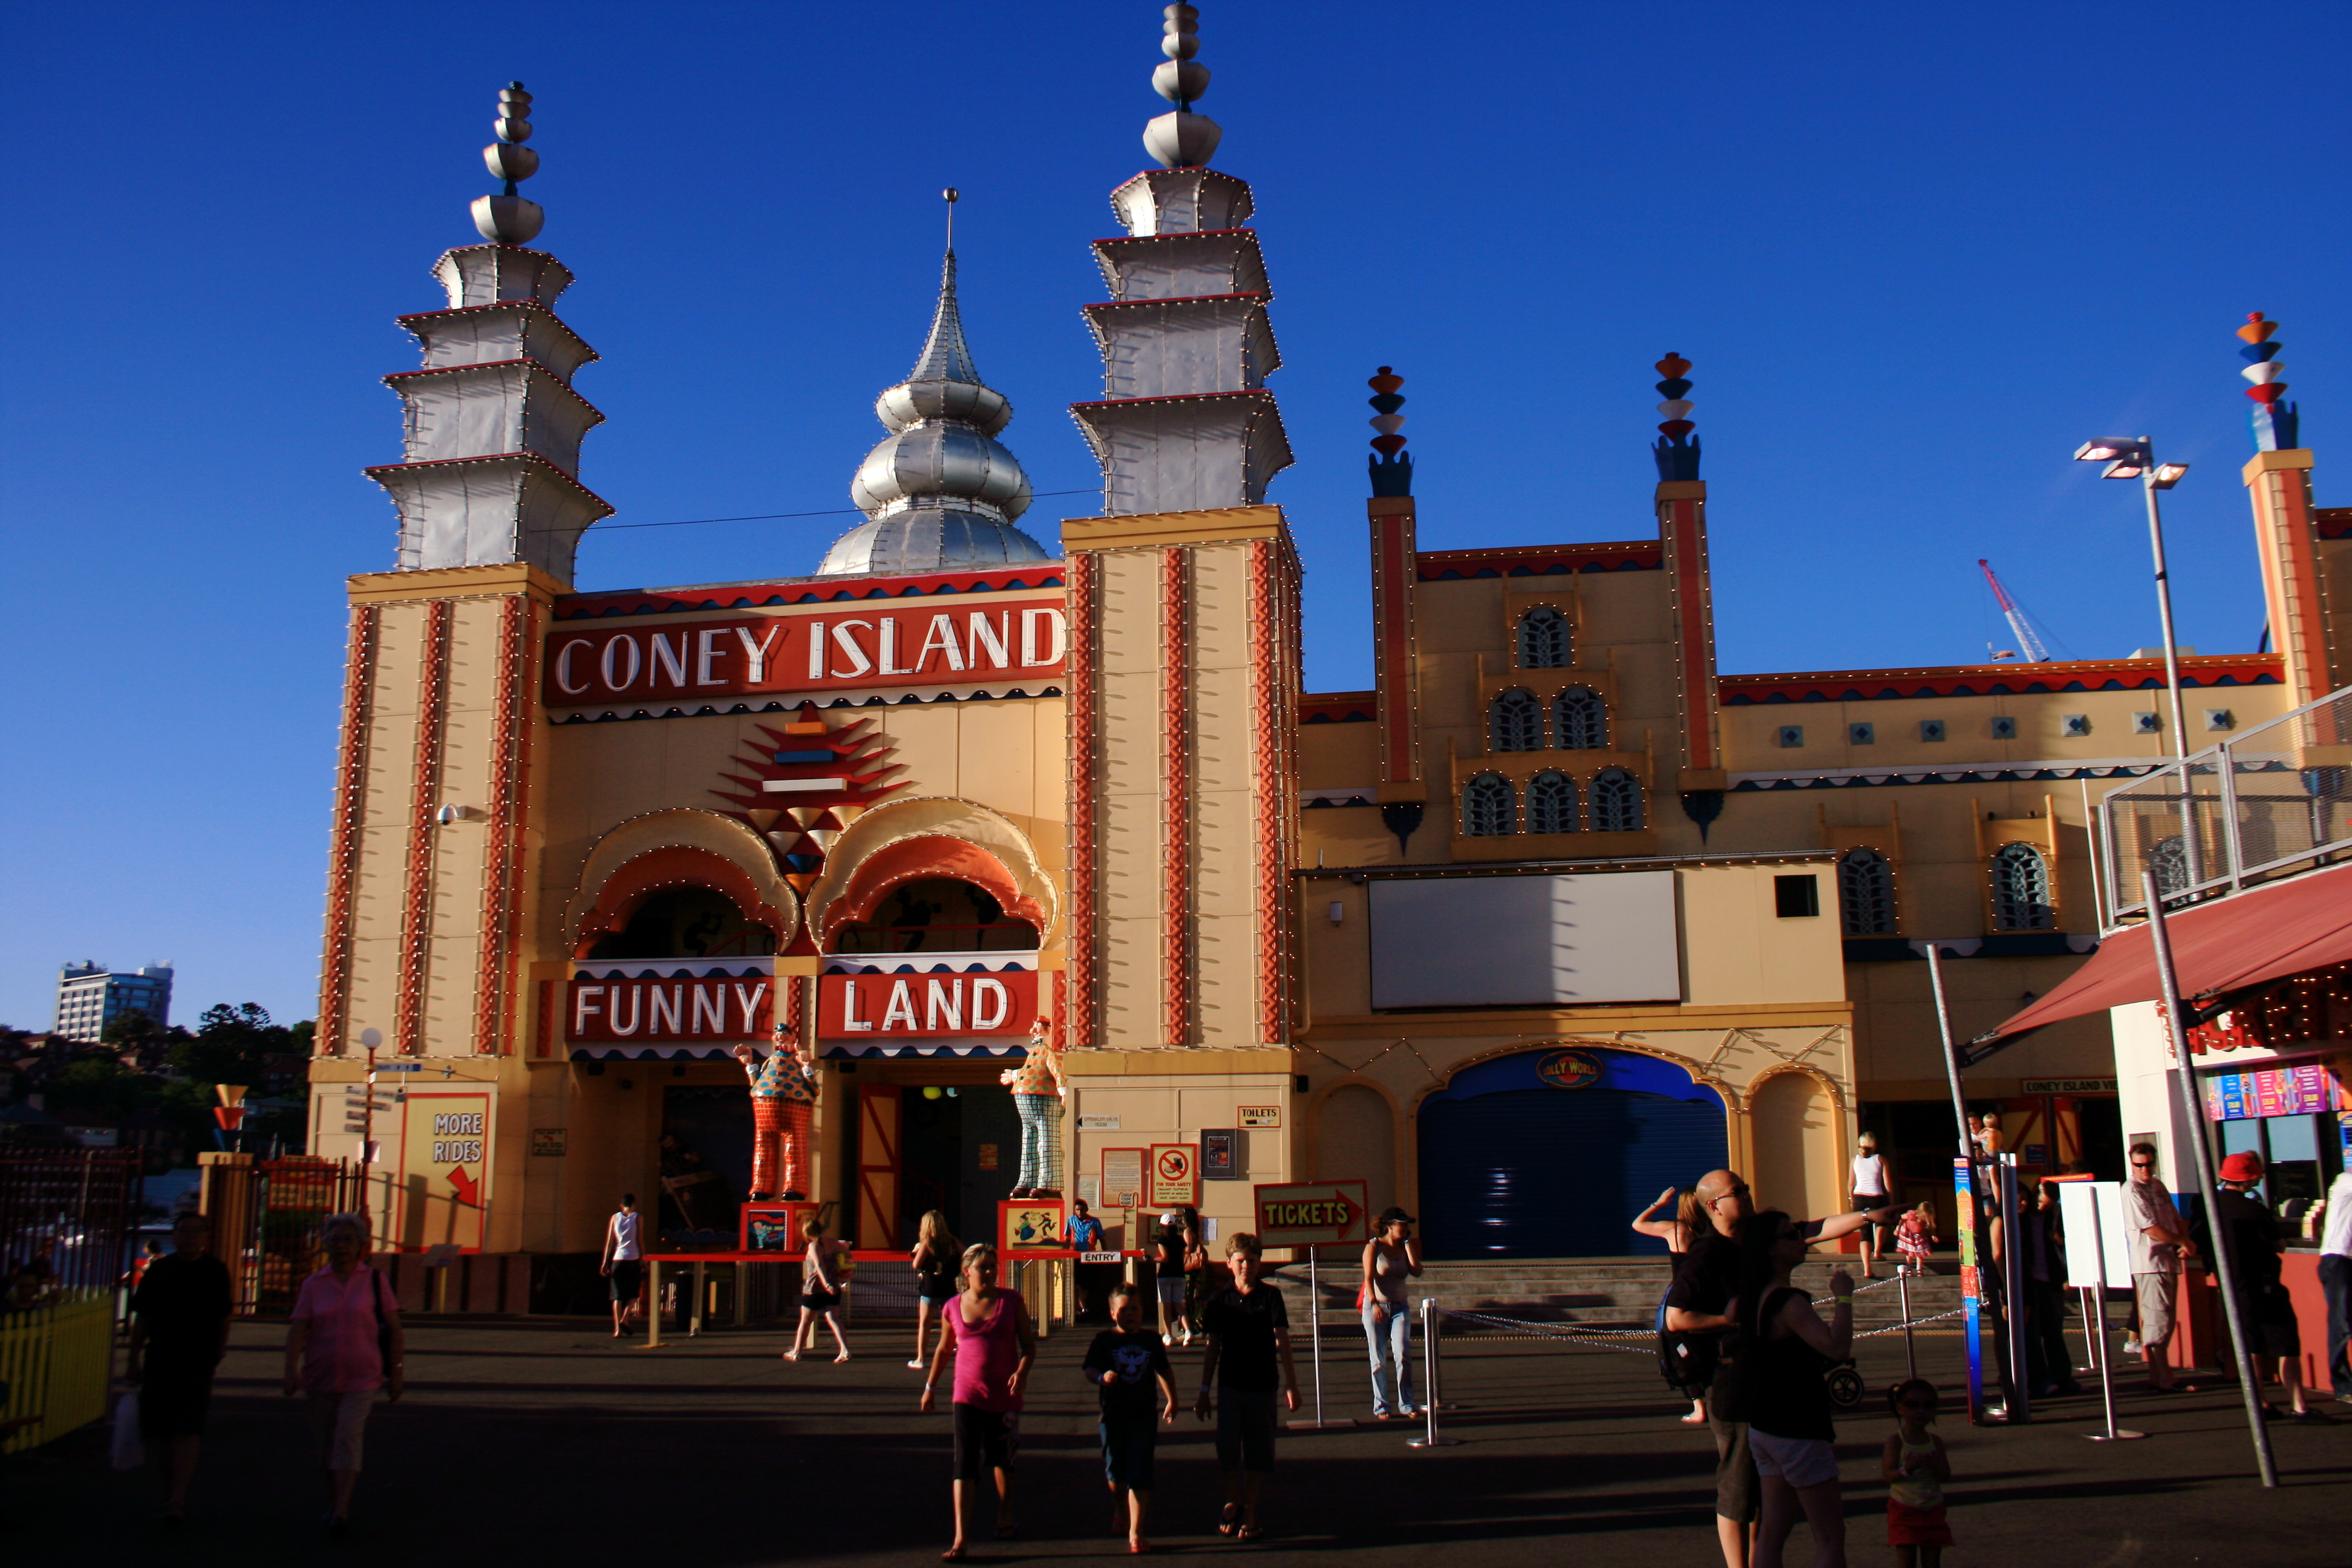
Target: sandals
(1230, 1520)
(953, 1554)
(1252, 1531)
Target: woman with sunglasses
(1786, 1351)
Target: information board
(2090, 1209)
(1311, 1214)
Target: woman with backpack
(1774, 1371)
(345, 1342)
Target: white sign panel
(1525, 941)
(2093, 1213)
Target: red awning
(2228, 945)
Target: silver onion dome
(940, 494)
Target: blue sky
(1917, 255)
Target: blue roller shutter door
(1547, 1172)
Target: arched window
(2170, 861)
(1616, 801)
(1489, 810)
(685, 922)
(1543, 639)
(1579, 720)
(1552, 803)
(937, 914)
(1866, 893)
(1515, 722)
(2020, 890)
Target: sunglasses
(2143, 1164)
(1739, 1191)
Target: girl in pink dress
(1916, 1235)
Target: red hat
(2243, 1166)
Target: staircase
(1600, 1293)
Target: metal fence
(265, 1218)
(2274, 801)
(68, 1213)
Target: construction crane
(2028, 639)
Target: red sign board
(832, 647)
(637, 1012)
(910, 1006)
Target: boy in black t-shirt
(1124, 1364)
(1249, 1362)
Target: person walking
(179, 1332)
(2159, 1244)
(1676, 1233)
(2263, 1306)
(1248, 1363)
(1914, 1467)
(1780, 1374)
(1128, 1364)
(345, 1343)
(1198, 1284)
(623, 1262)
(1168, 1272)
(989, 1332)
(1870, 1188)
(1390, 1259)
(935, 1257)
(1706, 1289)
(2049, 1365)
(820, 1290)
(2336, 1284)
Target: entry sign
(1310, 1213)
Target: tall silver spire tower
(490, 474)
(1185, 421)
(939, 493)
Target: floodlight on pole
(2134, 458)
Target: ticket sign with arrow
(1311, 1214)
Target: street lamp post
(2130, 458)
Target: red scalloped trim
(424, 776)
(1082, 596)
(351, 810)
(1176, 762)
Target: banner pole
(1315, 1328)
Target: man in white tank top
(622, 1259)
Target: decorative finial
(1182, 139)
(1677, 451)
(950, 196)
(1391, 471)
(510, 218)
(2276, 423)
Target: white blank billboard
(1529, 941)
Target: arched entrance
(1549, 1152)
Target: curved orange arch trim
(680, 865)
(918, 860)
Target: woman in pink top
(344, 1320)
(994, 1342)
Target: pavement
(543, 1441)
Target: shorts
(1908, 1526)
(938, 1304)
(2155, 1292)
(2268, 1314)
(1171, 1293)
(1799, 1461)
(172, 1402)
(1245, 1429)
(985, 1440)
(1737, 1494)
(1865, 1202)
(1130, 1444)
(342, 1420)
(627, 1275)
(820, 1300)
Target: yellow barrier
(57, 1360)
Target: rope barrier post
(1910, 1349)
(1430, 1440)
(2095, 1331)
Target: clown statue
(1037, 1087)
(784, 1100)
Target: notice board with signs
(1221, 1154)
(1311, 1214)
(1174, 1173)
(1122, 1178)
(1030, 1228)
(445, 1169)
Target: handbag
(125, 1450)
(383, 1324)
